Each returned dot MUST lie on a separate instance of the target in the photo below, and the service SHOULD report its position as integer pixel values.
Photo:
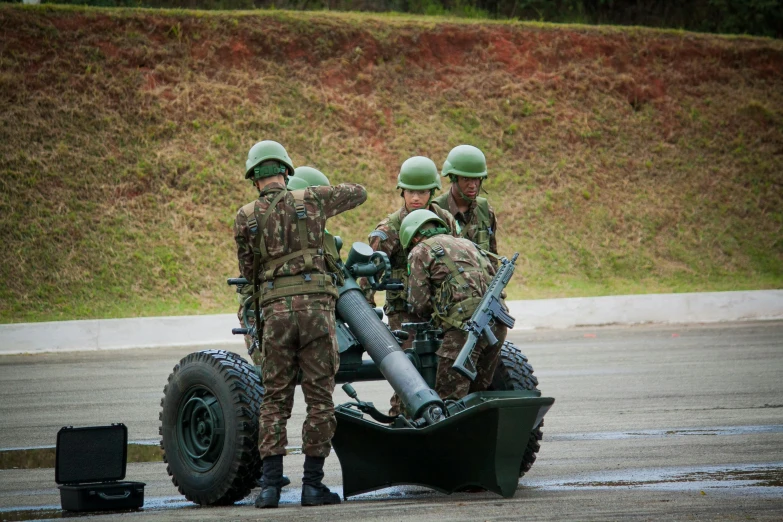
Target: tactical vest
(269, 286)
(446, 312)
(483, 218)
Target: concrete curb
(210, 330)
(707, 307)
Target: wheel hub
(200, 429)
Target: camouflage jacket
(434, 288)
(281, 235)
(386, 238)
(480, 225)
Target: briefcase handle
(104, 496)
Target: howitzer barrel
(378, 341)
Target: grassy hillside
(621, 160)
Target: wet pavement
(762, 479)
(681, 432)
(650, 422)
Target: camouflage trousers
(450, 384)
(298, 337)
(395, 323)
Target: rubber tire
(235, 384)
(513, 372)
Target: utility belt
(286, 286)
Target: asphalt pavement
(649, 422)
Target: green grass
(620, 160)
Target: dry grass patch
(620, 160)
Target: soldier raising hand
(280, 247)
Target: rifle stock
(463, 363)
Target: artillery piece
(209, 411)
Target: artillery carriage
(209, 411)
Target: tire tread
(243, 383)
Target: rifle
(247, 311)
(490, 308)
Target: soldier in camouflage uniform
(280, 248)
(448, 277)
(303, 177)
(418, 179)
(466, 167)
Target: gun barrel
(384, 350)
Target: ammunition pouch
(458, 312)
(482, 239)
(484, 224)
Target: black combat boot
(273, 478)
(284, 481)
(314, 493)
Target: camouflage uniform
(478, 224)
(435, 291)
(298, 330)
(386, 238)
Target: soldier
(466, 167)
(303, 177)
(418, 179)
(448, 277)
(280, 248)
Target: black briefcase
(90, 466)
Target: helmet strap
(434, 231)
(268, 171)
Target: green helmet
(465, 160)
(313, 177)
(418, 173)
(264, 151)
(295, 183)
(413, 222)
